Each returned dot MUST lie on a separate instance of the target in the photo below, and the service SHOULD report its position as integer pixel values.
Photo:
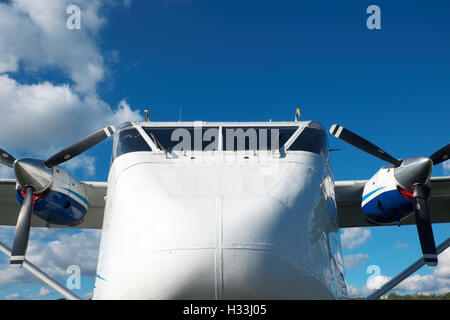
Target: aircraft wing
(348, 201)
(10, 207)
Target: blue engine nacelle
(63, 203)
(384, 201)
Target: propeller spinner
(36, 176)
(412, 173)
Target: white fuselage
(237, 226)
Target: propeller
(423, 224)
(36, 176)
(6, 158)
(79, 147)
(412, 173)
(441, 155)
(22, 229)
(362, 144)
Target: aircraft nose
(414, 170)
(219, 234)
(221, 250)
(200, 274)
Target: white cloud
(84, 163)
(6, 234)
(35, 34)
(53, 251)
(446, 166)
(352, 261)
(442, 270)
(124, 113)
(401, 245)
(376, 282)
(38, 116)
(352, 238)
(43, 292)
(353, 291)
(13, 296)
(56, 255)
(6, 172)
(373, 283)
(438, 282)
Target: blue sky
(231, 61)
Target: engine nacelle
(384, 200)
(63, 203)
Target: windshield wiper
(156, 141)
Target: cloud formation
(352, 238)
(40, 115)
(446, 166)
(353, 261)
(6, 172)
(43, 115)
(34, 34)
(53, 251)
(401, 245)
(83, 162)
(49, 78)
(438, 282)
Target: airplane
(222, 210)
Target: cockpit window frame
(146, 138)
(294, 137)
(311, 127)
(283, 149)
(220, 128)
(126, 126)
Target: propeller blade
(423, 223)
(6, 158)
(362, 144)
(79, 147)
(441, 155)
(22, 232)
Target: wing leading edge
(10, 207)
(348, 201)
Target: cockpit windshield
(311, 138)
(128, 139)
(184, 138)
(255, 138)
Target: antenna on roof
(147, 116)
(297, 114)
